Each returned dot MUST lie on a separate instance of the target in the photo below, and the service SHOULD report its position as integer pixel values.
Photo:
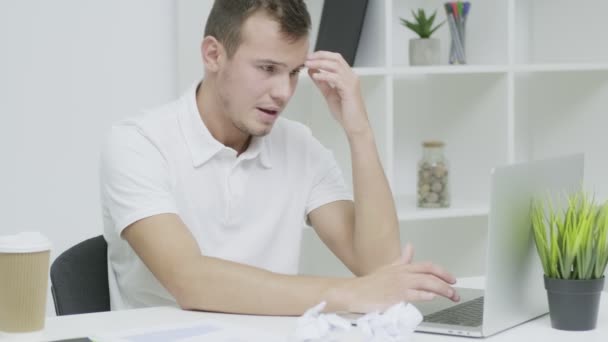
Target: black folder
(340, 27)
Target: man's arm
(364, 235)
(198, 282)
(171, 253)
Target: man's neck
(218, 123)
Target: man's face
(257, 82)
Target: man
(204, 199)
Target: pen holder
(457, 49)
(457, 13)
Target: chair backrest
(79, 278)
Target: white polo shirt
(249, 209)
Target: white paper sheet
(202, 331)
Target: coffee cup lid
(26, 242)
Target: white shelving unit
(532, 89)
(535, 86)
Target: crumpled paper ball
(315, 326)
(396, 324)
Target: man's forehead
(264, 32)
(288, 55)
(261, 24)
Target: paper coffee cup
(24, 274)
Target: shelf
(369, 71)
(497, 69)
(473, 69)
(450, 69)
(360, 71)
(408, 211)
(565, 67)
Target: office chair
(79, 278)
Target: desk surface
(104, 322)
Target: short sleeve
(328, 182)
(134, 178)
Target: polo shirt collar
(202, 145)
(259, 147)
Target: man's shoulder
(157, 119)
(158, 126)
(151, 129)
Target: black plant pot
(574, 304)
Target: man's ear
(213, 53)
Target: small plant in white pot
(424, 50)
(573, 247)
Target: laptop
(514, 292)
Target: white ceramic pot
(424, 51)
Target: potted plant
(573, 248)
(424, 50)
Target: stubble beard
(243, 128)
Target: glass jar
(433, 175)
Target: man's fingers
(323, 86)
(424, 276)
(430, 268)
(431, 283)
(327, 55)
(323, 64)
(413, 295)
(329, 78)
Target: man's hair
(227, 17)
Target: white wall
(191, 18)
(68, 69)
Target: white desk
(90, 324)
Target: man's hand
(400, 281)
(340, 86)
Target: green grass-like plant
(571, 243)
(422, 25)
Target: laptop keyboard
(468, 314)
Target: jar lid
(433, 143)
(26, 242)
